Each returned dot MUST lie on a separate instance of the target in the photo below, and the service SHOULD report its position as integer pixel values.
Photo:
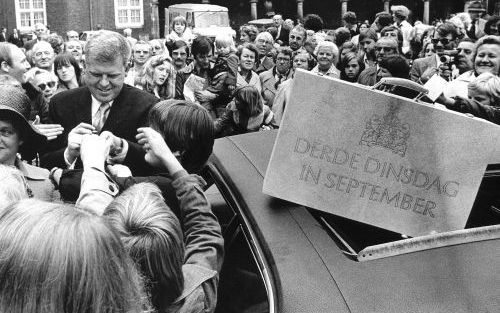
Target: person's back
(178, 279)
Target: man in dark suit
(15, 39)
(3, 34)
(40, 31)
(444, 39)
(283, 32)
(105, 105)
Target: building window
(29, 13)
(129, 13)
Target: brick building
(146, 17)
(79, 15)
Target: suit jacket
(420, 66)
(284, 34)
(128, 112)
(268, 82)
(16, 41)
(267, 63)
(3, 37)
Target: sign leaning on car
(378, 158)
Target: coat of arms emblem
(387, 132)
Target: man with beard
(384, 47)
(142, 51)
(272, 79)
(179, 52)
(444, 39)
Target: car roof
(309, 266)
(198, 7)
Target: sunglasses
(49, 84)
(444, 41)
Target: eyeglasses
(283, 59)
(444, 41)
(49, 84)
(142, 51)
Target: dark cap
(16, 106)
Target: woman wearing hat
(19, 139)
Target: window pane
(135, 16)
(122, 16)
(38, 17)
(24, 4)
(38, 4)
(25, 19)
(134, 3)
(122, 3)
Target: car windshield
(207, 19)
(356, 238)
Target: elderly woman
(486, 59)
(158, 77)
(264, 43)
(19, 137)
(247, 55)
(248, 33)
(326, 54)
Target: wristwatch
(117, 151)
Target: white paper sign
(379, 159)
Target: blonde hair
(489, 84)
(14, 185)
(225, 41)
(152, 235)
(57, 258)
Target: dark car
(283, 257)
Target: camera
(448, 57)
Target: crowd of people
(103, 142)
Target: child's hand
(158, 154)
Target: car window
(241, 285)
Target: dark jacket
(128, 112)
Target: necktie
(280, 78)
(101, 115)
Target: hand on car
(157, 151)
(51, 131)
